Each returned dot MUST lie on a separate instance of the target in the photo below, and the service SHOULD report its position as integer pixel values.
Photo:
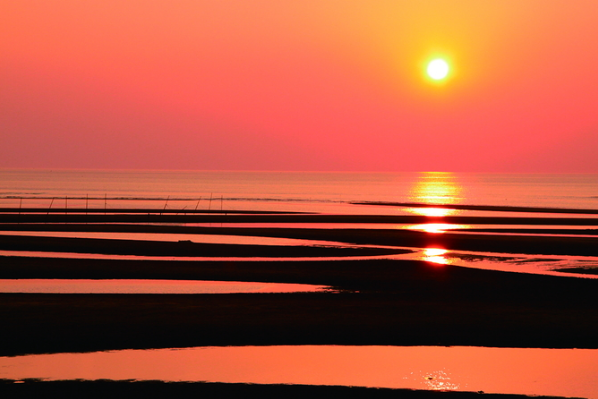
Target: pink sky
(299, 85)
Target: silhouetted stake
(20, 205)
(166, 203)
(221, 205)
(210, 203)
(50, 207)
(197, 203)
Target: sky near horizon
(299, 85)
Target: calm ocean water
(290, 191)
(523, 371)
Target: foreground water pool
(559, 372)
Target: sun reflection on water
(435, 188)
(432, 212)
(435, 255)
(439, 381)
(436, 228)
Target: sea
(325, 192)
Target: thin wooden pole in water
(166, 203)
(197, 203)
(210, 203)
(50, 207)
(221, 206)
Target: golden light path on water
(431, 211)
(435, 255)
(436, 228)
(435, 188)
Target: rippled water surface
(329, 192)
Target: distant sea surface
(328, 192)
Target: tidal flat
(379, 300)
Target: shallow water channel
(560, 372)
(84, 286)
(513, 262)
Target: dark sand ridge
(548, 245)
(530, 231)
(47, 323)
(495, 208)
(158, 211)
(157, 389)
(399, 303)
(578, 270)
(80, 217)
(180, 248)
(185, 229)
(413, 278)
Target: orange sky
(299, 85)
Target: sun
(438, 69)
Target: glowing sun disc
(438, 69)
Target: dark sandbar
(496, 208)
(80, 217)
(158, 389)
(399, 303)
(180, 248)
(547, 245)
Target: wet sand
(394, 302)
(494, 208)
(383, 302)
(180, 248)
(523, 244)
(154, 216)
